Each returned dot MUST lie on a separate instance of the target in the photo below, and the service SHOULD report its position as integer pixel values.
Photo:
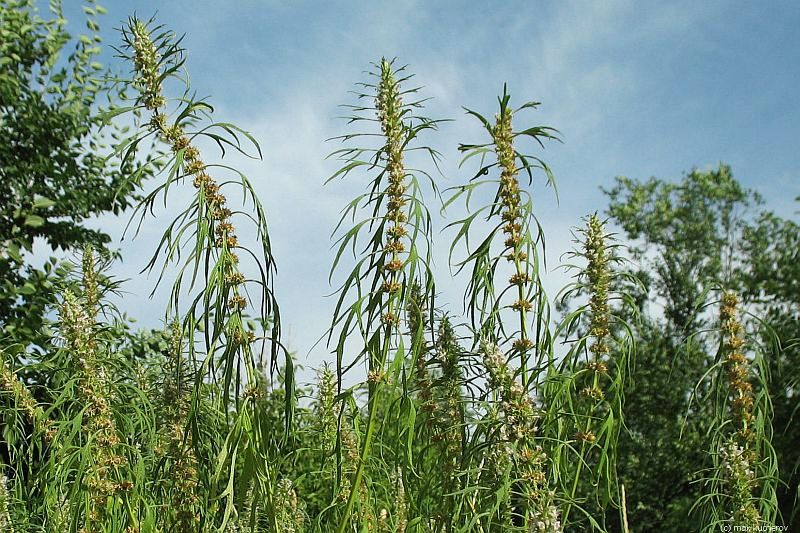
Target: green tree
(771, 280)
(53, 175)
(689, 237)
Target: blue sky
(636, 88)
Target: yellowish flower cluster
(11, 385)
(289, 513)
(397, 521)
(182, 482)
(512, 217)
(518, 417)
(597, 271)
(5, 516)
(389, 107)
(738, 455)
(595, 250)
(737, 368)
(78, 328)
(146, 63)
(739, 478)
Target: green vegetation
(52, 174)
(599, 412)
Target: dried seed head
(182, 143)
(597, 366)
(391, 287)
(397, 231)
(234, 278)
(390, 319)
(223, 228)
(221, 213)
(158, 121)
(394, 265)
(522, 345)
(395, 246)
(172, 134)
(513, 241)
(237, 303)
(201, 180)
(594, 392)
(517, 256)
(522, 305)
(254, 392)
(194, 166)
(190, 154)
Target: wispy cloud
(640, 89)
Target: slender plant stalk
(624, 510)
(739, 455)
(207, 229)
(398, 251)
(520, 460)
(598, 278)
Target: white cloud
(582, 59)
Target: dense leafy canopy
(687, 238)
(54, 173)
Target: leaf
(108, 115)
(13, 252)
(43, 203)
(34, 221)
(27, 289)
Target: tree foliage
(688, 238)
(54, 176)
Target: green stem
(582, 455)
(374, 393)
(574, 486)
(523, 322)
(364, 457)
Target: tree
(684, 233)
(771, 280)
(53, 176)
(688, 238)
